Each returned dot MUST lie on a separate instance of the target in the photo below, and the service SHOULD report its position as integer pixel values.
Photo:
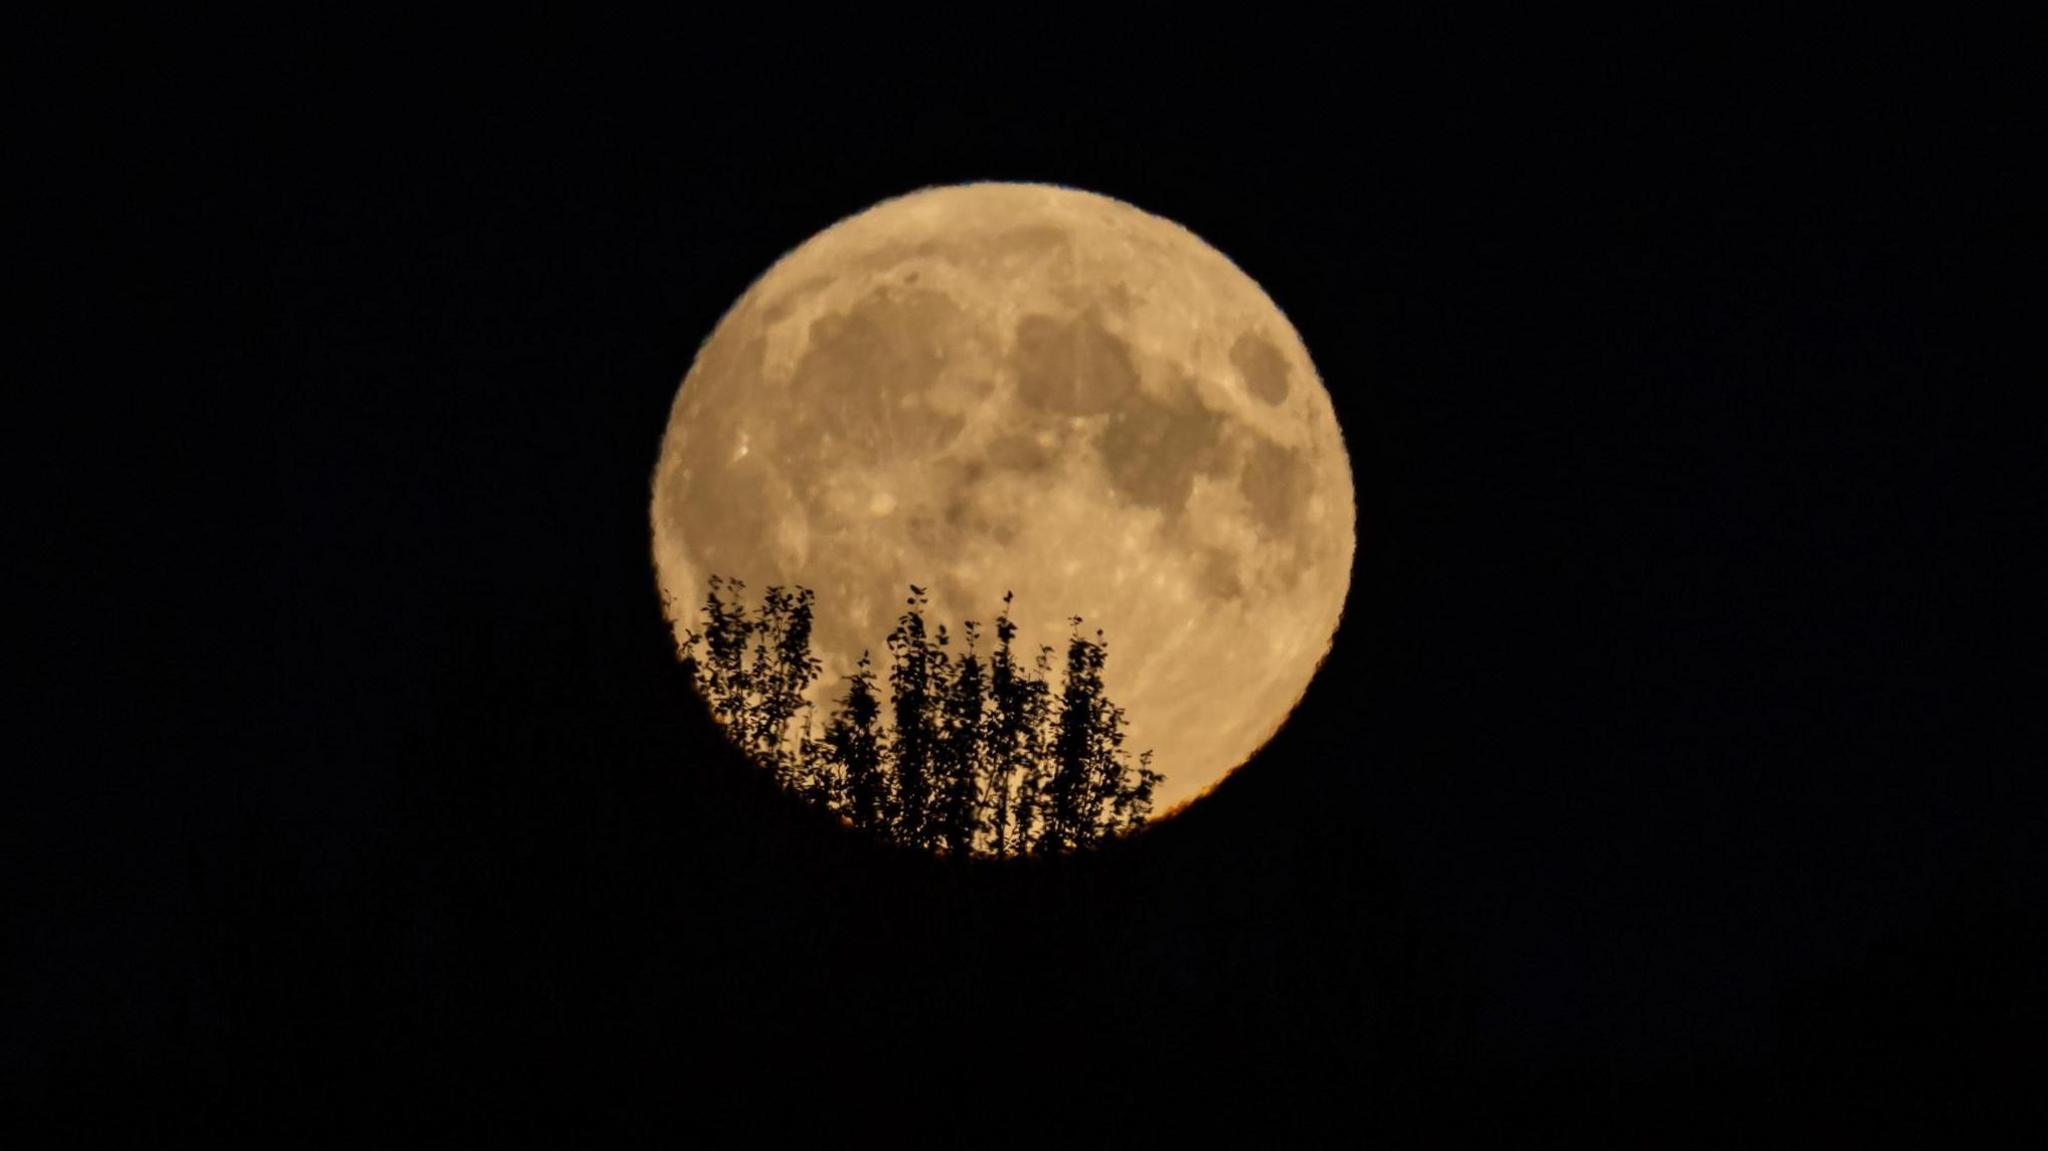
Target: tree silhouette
(756, 698)
(1011, 745)
(970, 757)
(782, 671)
(860, 789)
(723, 672)
(916, 679)
(1094, 790)
(960, 766)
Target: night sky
(1651, 770)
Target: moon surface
(1019, 387)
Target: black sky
(1649, 764)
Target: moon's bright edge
(1030, 388)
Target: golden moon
(1018, 387)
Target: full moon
(1025, 388)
